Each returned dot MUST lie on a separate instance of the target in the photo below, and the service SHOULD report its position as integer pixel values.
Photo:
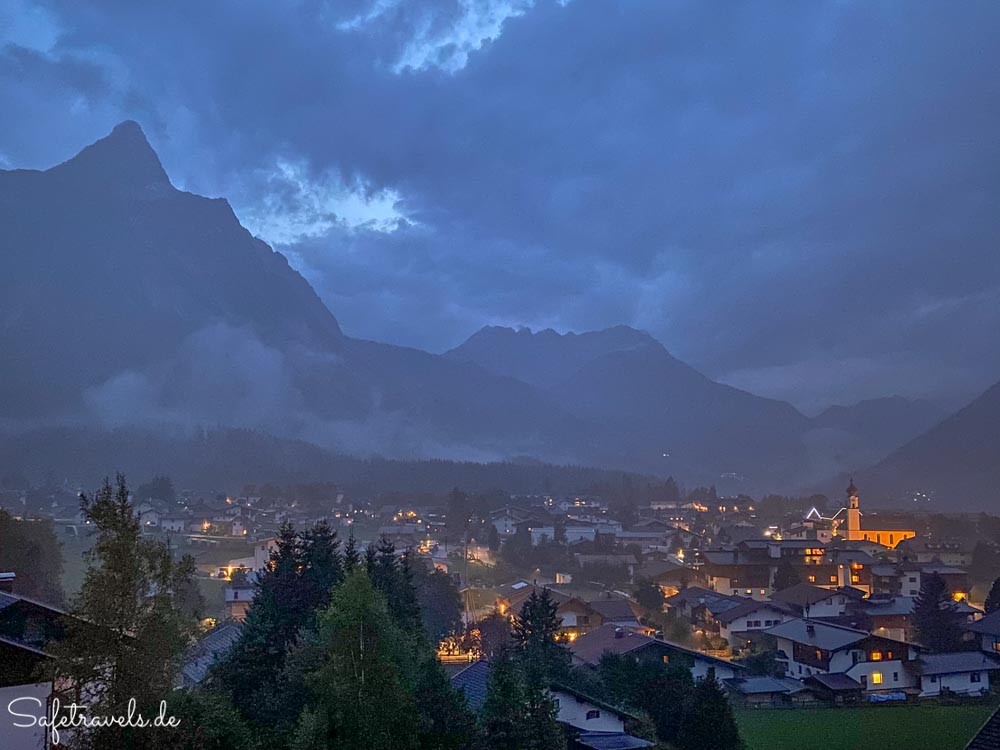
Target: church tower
(853, 513)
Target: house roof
(951, 663)
(751, 606)
(764, 685)
(202, 655)
(818, 634)
(8, 600)
(613, 609)
(611, 741)
(988, 736)
(473, 681)
(803, 594)
(593, 701)
(585, 559)
(837, 682)
(699, 595)
(517, 593)
(903, 605)
(989, 625)
(590, 647)
(22, 646)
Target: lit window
(876, 678)
(833, 579)
(666, 658)
(812, 579)
(876, 656)
(593, 715)
(888, 655)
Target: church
(854, 533)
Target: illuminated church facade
(853, 531)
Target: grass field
(926, 727)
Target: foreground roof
(988, 737)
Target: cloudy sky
(797, 198)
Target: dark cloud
(796, 197)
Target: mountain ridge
(143, 305)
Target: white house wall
(956, 683)
(573, 711)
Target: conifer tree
(535, 633)
(351, 557)
(504, 716)
(254, 665)
(322, 565)
(993, 598)
(708, 722)
(129, 632)
(785, 576)
(934, 615)
(362, 692)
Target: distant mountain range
(126, 303)
(955, 462)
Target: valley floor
(923, 727)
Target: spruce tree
(536, 635)
(785, 576)
(351, 557)
(322, 565)
(708, 722)
(934, 615)
(993, 598)
(504, 716)
(253, 667)
(362, 692)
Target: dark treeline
(223, 458)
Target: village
(785, 606)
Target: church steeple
(853, 512)
(852, 495)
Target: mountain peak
(123, 159)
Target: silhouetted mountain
(665, 416)
(108, 268)
(885, 423)
(544, 358)
(125, 301)
(657, 413)
(957, 461)
(230, 458)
